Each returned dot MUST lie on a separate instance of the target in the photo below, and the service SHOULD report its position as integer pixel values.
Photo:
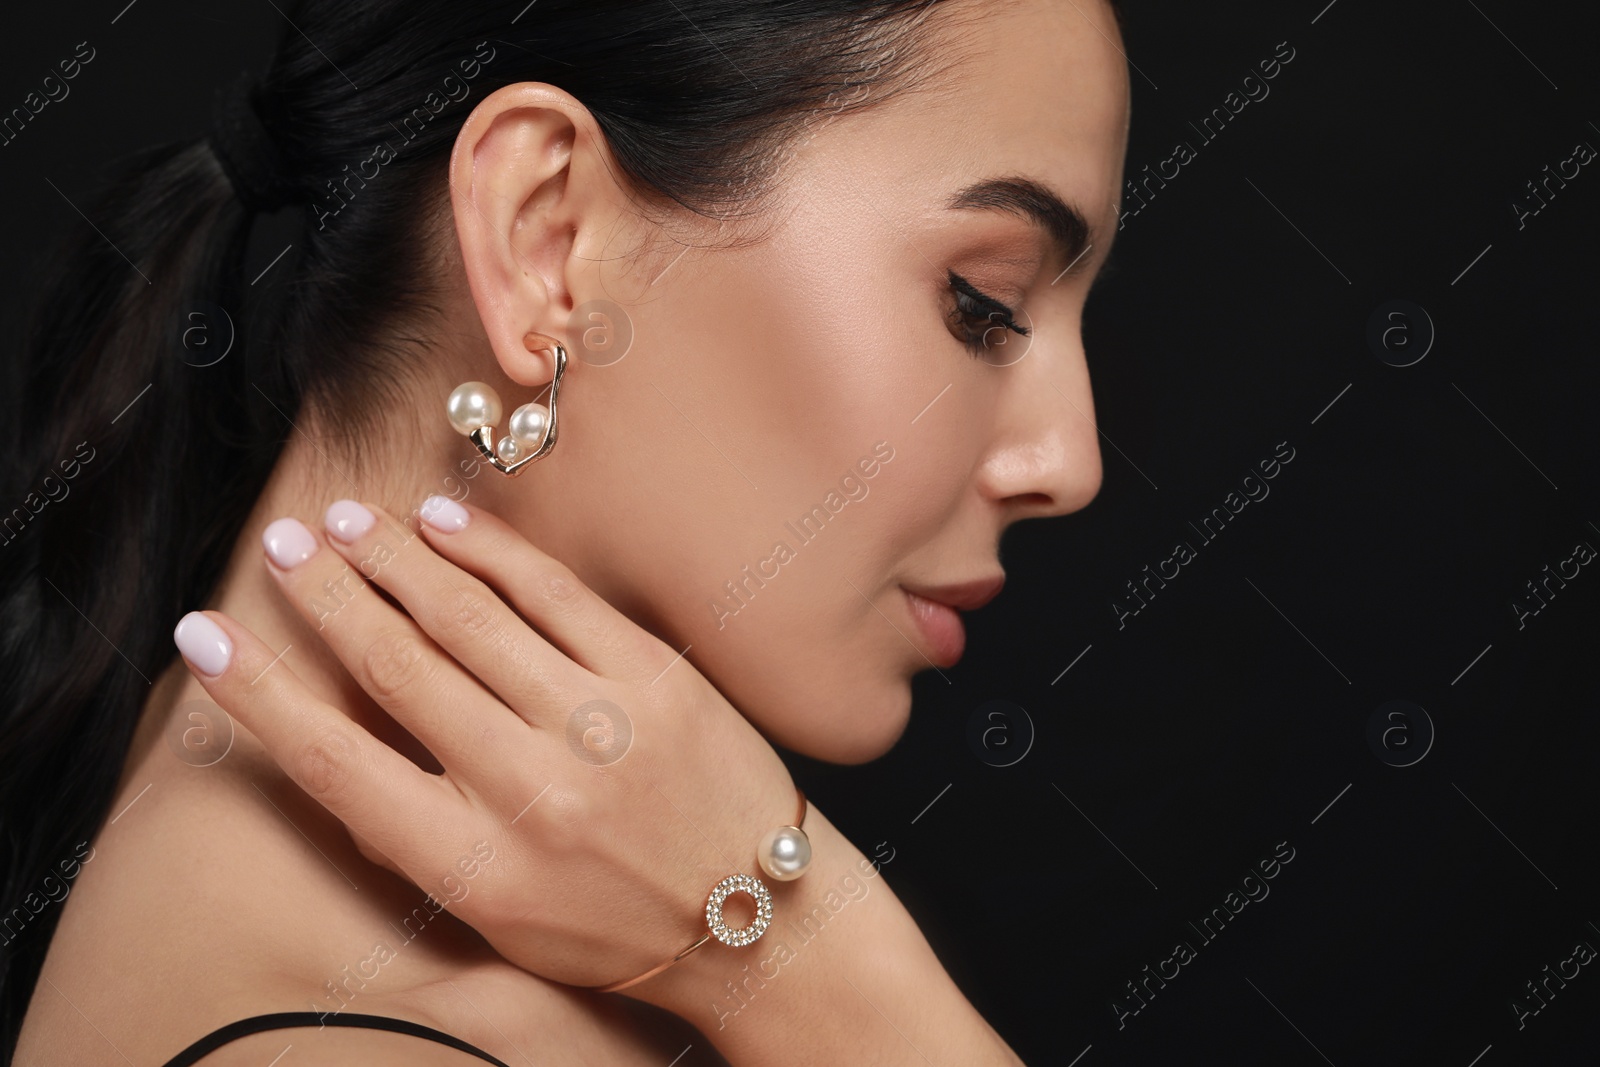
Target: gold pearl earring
(475, 410)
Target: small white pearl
(473, 404)
(785, 852)
(508, 450)
(528, 424)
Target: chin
(864, 728)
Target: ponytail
(137, 457)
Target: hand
(591, 832)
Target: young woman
(799, 285)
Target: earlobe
(531, 361)
(538, 361)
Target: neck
(311, 474)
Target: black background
(1232, 712)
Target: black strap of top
(286, 1019)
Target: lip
(935, 611)
(963, 596)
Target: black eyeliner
(995, 310)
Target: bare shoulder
(337, 1046)
(509, 1015)
(498, 1009)
(215, 895)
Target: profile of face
(812, 420)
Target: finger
(370, 852)
(545, 592)
(463, 615)
(387, 653)
(377, 793)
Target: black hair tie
(245, 148)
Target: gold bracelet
(784, 854)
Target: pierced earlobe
(475, 409)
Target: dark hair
(133, 466)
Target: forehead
(1031, 88)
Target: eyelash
(971, 303)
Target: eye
(978, 320)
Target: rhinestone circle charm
(739, 883)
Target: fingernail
(288, 542)
(444, 514)
(203, 644)
(346, 520)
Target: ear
(529, 186)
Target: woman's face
(799, 436)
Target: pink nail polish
(444, 514)
(346, 520)
(288, 543)
(203, 644)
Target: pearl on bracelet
(472, 405)
(784, 853)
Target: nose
(1044, 458)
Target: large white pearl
(474, 404)
(529, 423)
(508, 450)
(784, 853)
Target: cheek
(691, 486)
(810, 643)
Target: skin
(758, 376)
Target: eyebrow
(1062, 223)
